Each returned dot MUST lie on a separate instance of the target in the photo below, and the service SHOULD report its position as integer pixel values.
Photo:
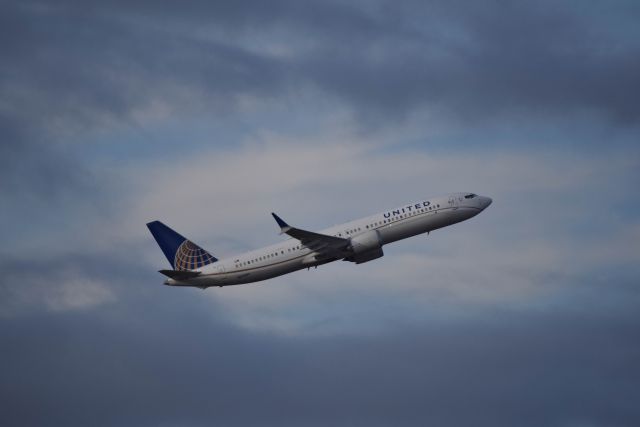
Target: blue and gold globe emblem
(190, 256)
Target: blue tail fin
(183, 254)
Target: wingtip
(283, 225)
(279, 220)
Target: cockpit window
(470, 196)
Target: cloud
(524, 242)
(512, 254)
(272, 171)
(209, 115)
(104, 66)
(29, 287)
(74, 73)
(76, 294)
(122, 365)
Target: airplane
(358, 241)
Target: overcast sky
(209, 115)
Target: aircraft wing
(324, 244)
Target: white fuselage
(290, 255)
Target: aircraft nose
(486, 201)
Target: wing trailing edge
(328, 246)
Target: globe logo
(190, 256)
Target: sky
(209, 115)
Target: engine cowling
(366, 247)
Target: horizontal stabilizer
(180, 274)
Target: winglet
(284, 227)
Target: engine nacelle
(366, 247)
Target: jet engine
(366, 247)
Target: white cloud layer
(222, 199)
(67, 290)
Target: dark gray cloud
(476, 62)
(72, 68)
(94, 62)
(148, 360)
(123, 350)
(161, 356)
